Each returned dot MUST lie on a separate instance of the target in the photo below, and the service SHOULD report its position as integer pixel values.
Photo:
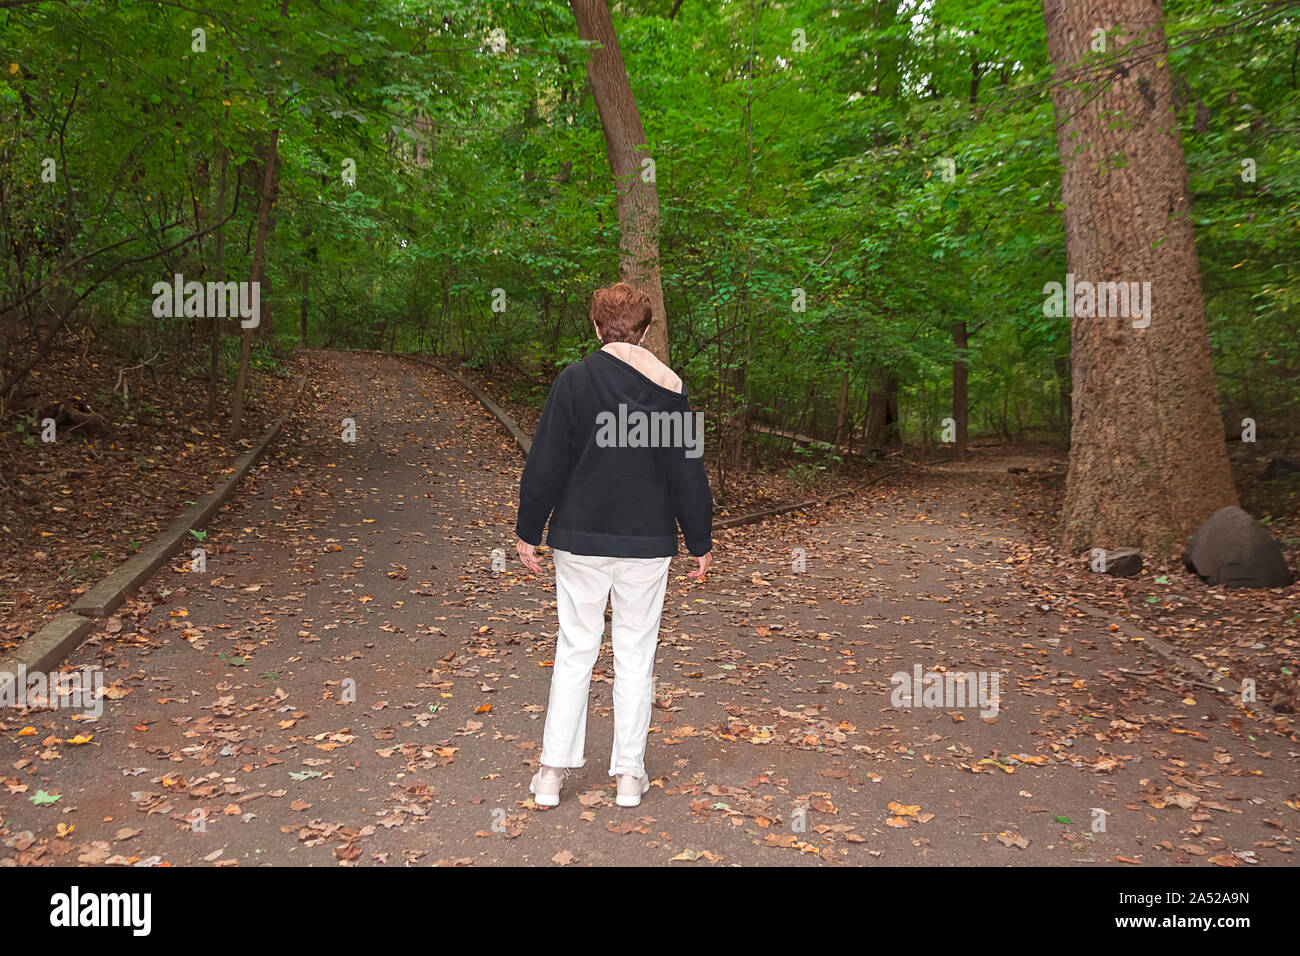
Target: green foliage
(779, 168)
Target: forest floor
(72, 510)
(351, 682)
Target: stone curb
(44, 649)
(1195, 671)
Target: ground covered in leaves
(355, 680)
(72, 510)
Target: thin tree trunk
(876, 411)
(302, 309)
(266, 325)
(625, 144)
(1148, 462)
(202, 187)
(259, 249)
(1061, 364)
(841, 408)
(882, 408)
(960, 400)
(219, 275)
(893, 427)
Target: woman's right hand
(528, 555)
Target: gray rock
(1123, 562)
(1231, 549)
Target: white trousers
(583, 584)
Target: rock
(1280, 467)
(1123, 562)
(1231, 549)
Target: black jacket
(595, 472)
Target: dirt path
(350, 680)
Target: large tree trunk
(638, 199)
(1148, 461)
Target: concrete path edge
(500, 414)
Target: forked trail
(351, 680)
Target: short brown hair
(621, 313)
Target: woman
(616, 466)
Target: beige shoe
(630, 789)
(546, 785)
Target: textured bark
(1148, 461)
(638, 200)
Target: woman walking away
(616, 465)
